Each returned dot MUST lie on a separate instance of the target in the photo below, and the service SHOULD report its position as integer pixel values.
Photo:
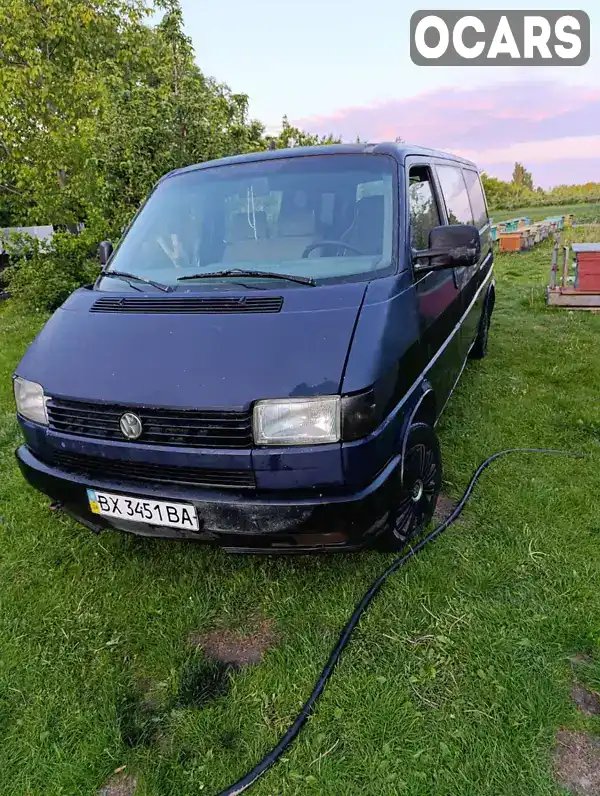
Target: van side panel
(474, 297)
(439, 303)
(386, 354)
(440, 308)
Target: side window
(423, 209)
(477, 197)
(455, 194)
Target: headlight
(297, 421)
(30, 399)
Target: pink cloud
(493, 119)
(557, 149)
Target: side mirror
(104, 252)
(453, 246)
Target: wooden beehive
(526, 237)
(558, 220)
(588, 266)
(536, 231)
(511, 241)
(581, 291)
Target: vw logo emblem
(131, 426)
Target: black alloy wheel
(418, 491)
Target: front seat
(295, 230)
(366, 231)
(247, 242)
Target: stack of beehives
(520, 234)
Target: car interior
(341, 218)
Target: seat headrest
(241, 229)
(296, 217)
(370, 207)
(366, 231)
(299, 223)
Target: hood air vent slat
(185, 305)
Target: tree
(166, 115)
(290, 136)
(95, 105)
(522, 177)
(496, 191)
(55, 58)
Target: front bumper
(261, 522)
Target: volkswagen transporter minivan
(264, 356)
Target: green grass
(583, 213)
(456, 680)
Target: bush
(42, 274)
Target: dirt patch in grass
(234, 647)
(120, 784)
(581, 660)
(444, 508)
(577, 762)
(587, 701)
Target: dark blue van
(265, 355)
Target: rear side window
(424, 215)
(455, 194)
(477, 198)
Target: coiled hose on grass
(271, 757)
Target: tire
(414, 499)
(480, 347)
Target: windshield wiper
(302, 280)
(125, 275)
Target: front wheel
(415, 500)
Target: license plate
(152, 512)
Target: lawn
(458, 678)
(583, 213)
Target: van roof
(399, 151)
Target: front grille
(184, 305)
(96, 467)
(185, 428)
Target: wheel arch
(491, 297)
(424, 409)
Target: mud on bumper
(261, 523)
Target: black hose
(269, 759)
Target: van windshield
(326, 217)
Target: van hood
(196, 359)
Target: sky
(343, 66)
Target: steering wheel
(339, 243)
